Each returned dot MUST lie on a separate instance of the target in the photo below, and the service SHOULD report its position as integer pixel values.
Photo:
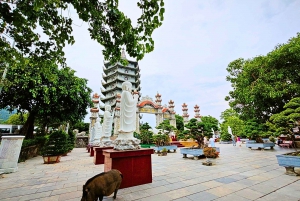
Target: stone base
(98, 155)
(9, 170)
(135, 165)
(106, 144)
(127, 144)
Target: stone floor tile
(220, 191)
(70, 195)
(249, 194)
(196, 188)
(64, 190)
(212, 184)
(35, 196)
(182, 199)
(232, 197)
(203, 196)
(159, 197)
(156, 190)
(175, 194)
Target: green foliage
(254, 129)
(54, 96)
(231, 118)
(164, 150)
(145, 126)
(81, 126)
(198, 130)
(264, 84)
(287, 119)
(71, 140)
(17, 119)
(145, 135)
(107, 25)
(161, 139)
(166, 127)
(272, 139)
(56, 144)
(179, 122)
(39, 140)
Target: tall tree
(53, 96)
(17, 119)
(231, 118)
(107, 25)
(264, 84)
(179, 122)
(287, 119)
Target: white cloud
(193, 47)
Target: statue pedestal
(135, 165)
(10, 149)
(92, 150)
(98, 155)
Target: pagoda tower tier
(112, 78)
(185, 114)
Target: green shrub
(71, 140)
(56, 144)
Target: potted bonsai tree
(284, 122)
(71, 140)
(198, 130)
(55, 146)
(162, 138)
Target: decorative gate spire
(197, 112)
(185, 113)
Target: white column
(10, 149)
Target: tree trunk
(28, 127)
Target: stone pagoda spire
(114, 75)
(94, 111)
(159, 116)
(172, 113)
(185, 114)
(197, 112)
(158, 99)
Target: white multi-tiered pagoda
(113, 77)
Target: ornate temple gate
(147, 105)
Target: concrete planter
(169, 148)
(195, 152)
(252, 144)
(289, 162)
(51, 159)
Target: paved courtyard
(238, 174)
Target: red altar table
(135, 165)
(98, 154)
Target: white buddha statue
(97, 132)
(107, 123)
(128, 110)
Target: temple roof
(143, 103)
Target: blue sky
(193, 47)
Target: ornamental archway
(147, 105)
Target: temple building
(113, 77)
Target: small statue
(107, 123)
